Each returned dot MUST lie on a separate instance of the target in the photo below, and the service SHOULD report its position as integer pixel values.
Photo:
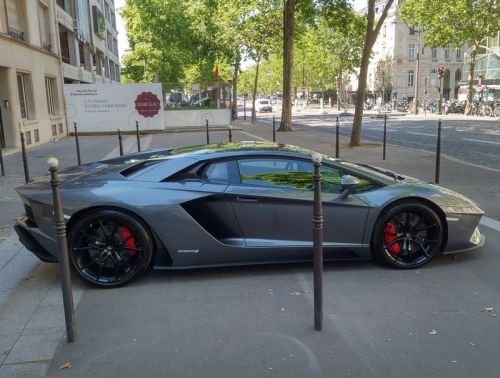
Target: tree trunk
(254, 92)
(372, 30)
(288, 37)
(360, 92)
(470, 80)
(234, 104)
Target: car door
(273, 204)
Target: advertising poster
(107, 107)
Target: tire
(497, 112)
(407, 235)
(109, 248)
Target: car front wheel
(109, 248)
(408, 235)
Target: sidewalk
(257, 321)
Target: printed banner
(107, 107)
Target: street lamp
(383, 90)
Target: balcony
(46, 47)
(17, 34)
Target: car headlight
(476, 237)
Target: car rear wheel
(408, 235)
(109, 248)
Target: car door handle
(247, 199)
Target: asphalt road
(473, 140)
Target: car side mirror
(348, 185)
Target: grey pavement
(437, 321)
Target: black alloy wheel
(408, 235)
(109, 248)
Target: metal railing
(46, 47)
(17, 34)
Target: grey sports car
(239, 203)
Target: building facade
(88, 40)
(44, 44)
(31, 92)
(487, 71)
(402, 66)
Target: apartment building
(402, 66)
(31, 92)
(44, 44)
(88, 40)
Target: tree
(372, 29)
(455, 22)
(288, 38)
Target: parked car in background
(263, 105)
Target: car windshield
(264, 102)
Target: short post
(274, 129)
(385, 136)
(337, 136)
(120, 141)
(1, 162)
(77, 145)
(138, 136)
(438, 153)
(245, 109)
(208, 136)
(318, 244)
(62, 248)
(230, 133)
(25, 158)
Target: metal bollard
(138, 136)
(1, 162)
(25, 158)
(274, 129)
(337, 137)
(318, 244)
(385, 137)
(77, 144)
(63, 254)
(438, 154)
(230, 133)
(120, 141)
(208, 136)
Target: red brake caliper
(390, 236)
(128, 240)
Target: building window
(60, 128)
(433, 78)
(410, 78)
(447, 53)
(411, 51)
(64, 41)
(43, 16)
(54, 130)
(412, 31)
(27, 135)
(16, 18)
(434, 54)
(26, 101)
(458, 54)
(37, 135)
(51, 93)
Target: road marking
(254, 136)
(491, 223)
(480, 141)
(432, 135)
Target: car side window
(219, 171)
(286, 174)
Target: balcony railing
(17, 34)
(46, 47)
